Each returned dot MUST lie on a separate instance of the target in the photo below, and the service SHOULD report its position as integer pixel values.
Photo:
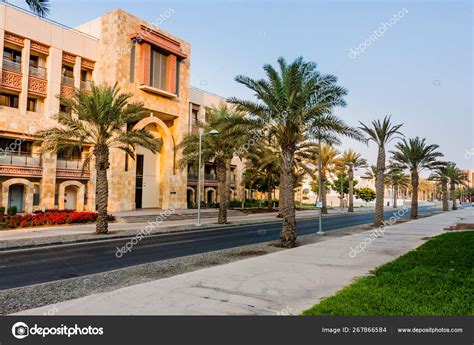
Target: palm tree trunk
(351, 190)
(221, 181)
(444, 189)
(414, 195)
(453, 195)
(287, 199)
(395, 196)
(101, 154)
(379, 186)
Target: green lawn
(435, 279)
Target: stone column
(25, 70)
(48, 180)
(77, 72)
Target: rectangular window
(158, 69)
(32, 104)
(132, 63)
(9, 100)
(12, 54)
(126, 161)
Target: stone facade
(41, 60)
(199, 102)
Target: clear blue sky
(420, 71)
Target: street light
(201, 133)
(320, 202)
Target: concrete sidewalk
(287, 281)
(37, 236)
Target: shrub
(49, 217)
(12, 210)
(2, 210)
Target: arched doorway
(190, 197)
(70, 197)
(157, 170)
(18, 192)
(210, 196)
(16, 196)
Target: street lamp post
(320, 201)
(201, 133)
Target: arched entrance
(210, 195)
(190, 197)
(155, 172)
(18, 192)
(71, 195)
(16, 196)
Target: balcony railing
(67, 81)
(38, 72)
(20, 159)
(210, 177)
(86, 85)
(10, 65)
(73, 164)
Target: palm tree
(288, 101)
(330, 164)
(397, 179)
(381, 133)
(440, 174)
(218, 148)
(99, 118)
(262, 163)
(456, 176)
(416, 155)
(353, 160)
(39, 7)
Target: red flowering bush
(49, 217)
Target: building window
(12, 54)
(9, 100)
(67, 75)
(158, 69)
(32, 104)
(132, 63)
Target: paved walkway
(287, 281)
(70, 233)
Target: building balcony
(72, 169)
(86, 85)
(67, 81)
(11, 75)
(209, 180)
(20, 164)
(38, 72)
(12, 66)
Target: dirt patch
(461, 226)
(248, 253)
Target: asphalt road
(32, 266)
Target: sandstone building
(42, 59)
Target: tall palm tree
(218, 148)
(39, 7)
(456, 177)
(353, 160)
(381, 133)
(289, 99)
(416, 155)
(397, 179)
(99, 118)
(440, 174)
